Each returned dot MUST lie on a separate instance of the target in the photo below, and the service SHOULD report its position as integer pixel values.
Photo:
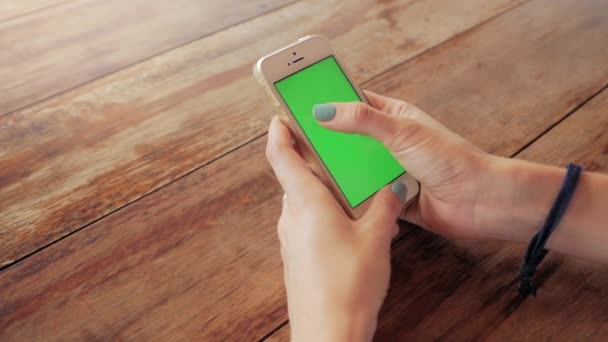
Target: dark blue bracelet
(536, 249)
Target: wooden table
(136, 203)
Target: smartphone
(354, 167)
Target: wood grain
(13, 9)
(524, 71)
(581, 138)
(70, 160)
(179, 263)
(193, 261)
(60, 47)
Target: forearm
(334, 327)
(523, 195)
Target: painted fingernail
(324, 112)
(400, 190)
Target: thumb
(382, 215)
(397, 133)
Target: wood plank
(70, 160)
(197, 268)
(532, 55)
(13, 9)
(60, 47)
(193, 261)
(581, 138)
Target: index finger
(400, 108)
(291, 170)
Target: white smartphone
(354, 167)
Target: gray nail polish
(400, 190)
(324, 112)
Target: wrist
(518, 195)
(352, 326)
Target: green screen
(359, 164)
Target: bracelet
(536, 249)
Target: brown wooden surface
(511, 78)
(198, 259)
(195, 259)
(58, 47)
(70, 160)
(13, 9)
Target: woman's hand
(466, 193)
(452, 172)
(336, 270)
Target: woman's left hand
(336, 269)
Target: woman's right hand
(467, 193)
(461, 186)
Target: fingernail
(400, 190)
(324, 112)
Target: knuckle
(268, 154)
(404, 109)
(272, 152)
(312, 194)
(361, 113)
(280, 232)
(409, 111)
(406, 134)
(391, 201)
(281, 228)
(269, 151)
(394, 231)
(400, 107)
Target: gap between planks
(17, 261)
(556, 123)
